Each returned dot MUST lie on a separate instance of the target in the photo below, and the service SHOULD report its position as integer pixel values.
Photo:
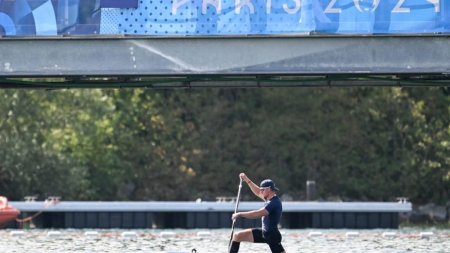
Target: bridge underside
(180, 62)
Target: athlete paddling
(270, 214)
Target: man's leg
(277, 248)
(274, 241)
(245, 235)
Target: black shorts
(273, 239)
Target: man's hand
(244, 177)
(235, 216)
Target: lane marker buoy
(203, 234)
(314, 234)
(389, 234)
(54, 234)
(167, 234)
(129, 235)
(91, 234)
(17, 233)
(352, 234)
(426, 234)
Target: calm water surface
(214, 241)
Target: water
(294, 241)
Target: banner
(222, 17)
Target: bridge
(183, 214)
(184, 44)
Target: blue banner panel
(119, 3)
(222, 17)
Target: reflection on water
(68, 240)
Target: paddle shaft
(235, 211)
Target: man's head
(268, 183)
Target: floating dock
(156, 214)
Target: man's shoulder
(276, 198)
(274, 201)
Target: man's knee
(241, 236)
(237, 237)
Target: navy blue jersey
(270, 221)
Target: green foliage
(357, 143)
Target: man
(270, 213)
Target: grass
(425, 225)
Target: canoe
(7, 212)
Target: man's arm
(255, 214)
(254, 187)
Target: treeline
(140, 144)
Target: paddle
(235, 210)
